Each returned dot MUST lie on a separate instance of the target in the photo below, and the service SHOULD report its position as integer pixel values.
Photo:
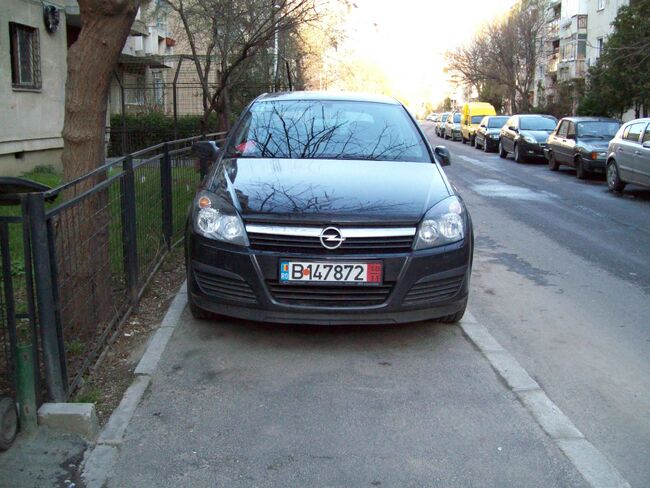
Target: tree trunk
(82, 231)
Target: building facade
(33, 48)
(34, 41)
(575, 34)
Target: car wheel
(485, 146)
(452, 318)
(581, 172)
(8, 422)
(462, 138)
(502, 152)
(199, 313)
(614, 182)
(552, 162)
(518, 156)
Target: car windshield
(456, 118)
(537, 123)
(598, 129)
(444, 117)
(496, 122)
(476, 119)
(324, 129)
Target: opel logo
(331, 238)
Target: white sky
(408, 38)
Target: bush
(144, 130)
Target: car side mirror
(646, 144)
(443, 155)
(513, 128)
(206, 150)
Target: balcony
(553, 62)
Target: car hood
(594, 144)
(538, 135)
(340, 191)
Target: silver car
(452, 127)
(628, 156)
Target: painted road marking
(592, 464)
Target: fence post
(52, 353)
(166, 193)
(129, 235)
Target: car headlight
(529, 139)
(494, 136)
(215, 218)
(444, 223)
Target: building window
(25, 57)
(601, 4)
(600, 42)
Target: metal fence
(90, 246)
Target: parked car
(581, 142)
(452, 127)
(440, 124)
(628, 156)
(525, 136)
(471, 115)
(328, 208)
(488, 132)
(431, 117)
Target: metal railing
(90, 254)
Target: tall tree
(224, 35)
(505, 54)
(82, 231)
(91, 60)
(619, 80)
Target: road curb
(592, 464)
(99, 460)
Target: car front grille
(330, 296)
(307, 240)
(426, 291)
(225, 287)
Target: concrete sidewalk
(239, 404)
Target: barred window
(25, 56)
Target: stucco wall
(31, 120)
(599, 24)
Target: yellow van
(470, 118)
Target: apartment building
(34, 39)
(575, 34)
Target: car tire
(552, 162)
(581, 172)
(8, 422)
(462, 138)
(199, 313)
(452, 318)
(518, 156)
(502, 152)
(486, 146)
(614, 182)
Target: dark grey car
(487, 135)
(525, 136)
(581, 142)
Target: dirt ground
(107, 382)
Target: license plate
(331, 272)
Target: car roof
(548, 116)
(644, 119)
(326, 95)
(590, 119)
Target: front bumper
(533, 151)
(242, 283)
(595, 165)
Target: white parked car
(628, 156)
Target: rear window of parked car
(537, 123)
(496, 122)
(476, 119)
(598, 129)
(456, 118)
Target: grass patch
(89, 393)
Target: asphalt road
(562, 280)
